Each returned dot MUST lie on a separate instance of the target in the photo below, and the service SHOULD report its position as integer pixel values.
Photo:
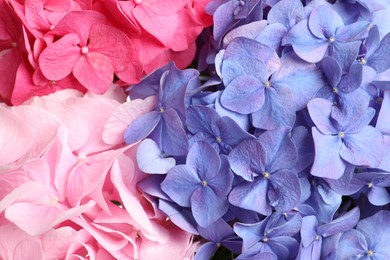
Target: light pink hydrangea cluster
(68, 182)
(49, 45)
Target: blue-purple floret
(282, 145)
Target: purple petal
(341, 224)
(248, 159)
(352, 80)
(255, 200)
(303, 79)
(363, 148)
(351, 244)
(320, 110)
(173, 139)
(207, 207)
(284, 192)
(324, 21)
(272, 35)
(379, 237)
(201, 119)
(181, 217)
(142, 127)
(231, 132)
(206, 251)
(244, 95)
(327, 161)
(378, 196)
(204, 160)
(378, 60)
(281, 151)
(352, 32)
(383, 122)
(222, 182)
(306, 45)
(332, 71)
(303, 141)
(236, 66)
(344, 53)
(151, 160)
(309, 230)
(180, 183)
(277, 110)
(385, 164)
(372, 41)
(217, 232)
(250, 233)
(286, 12)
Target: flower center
(362, 61)
(161, 110)
(267, 84)
(266, 175)
(370, 253)
(331, 39)
(317, 237)
(204, 183)
(369, 185)
(14, 44)
(219, 139)
(335, 90)
(52, 27)
(81, 157)
(265, 239)
(341, 135)
(84, 50)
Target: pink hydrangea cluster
(50, 45)
(68, 182)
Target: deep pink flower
(88, 48)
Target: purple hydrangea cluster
(278, 145)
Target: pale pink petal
(16, 244)
(122, 117)
(88, 174)
(112, 43)
(174, 248)
(59, 58)
(38, 219)
(16, 137)
(56, 242)
(29, 192)
(121, 174)
(95, 72)
(43, 127)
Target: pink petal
(35, 14)
(28, 192)
(80, 23)
(112, 43)
(15, 137)
(42, 134)
(59, 58)
(121, 174)
(186, 32)
(122, 117)
(58, 5)
(18, 245)
(95, 72)
(38, 219)
(152, 22)
(55, 242)
(88, 174)
(9, 63)
(175, 247)
(164, 8)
